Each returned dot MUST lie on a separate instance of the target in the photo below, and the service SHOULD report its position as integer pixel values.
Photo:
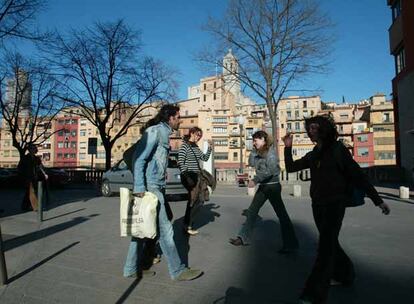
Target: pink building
(66, 139)
(364, 149)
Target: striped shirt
(189, 156)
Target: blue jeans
(166, 236)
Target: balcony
(395, 33)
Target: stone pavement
(76, 254)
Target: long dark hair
(163, 115)
(192, 130)
(268, 141)
(327, 128)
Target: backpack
(356, 195)
(128, 156)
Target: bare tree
(17, 18)
(108, 78)
(276, 42)
(26, 101)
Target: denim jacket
(151, 157)
(267, 167)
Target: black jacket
(333, 174)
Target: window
(214, 96)
(220, 119)
(400, 60)
(59, 155)
(205, 86)
(289, 114)
(204, 97)
(60, 133)
(363, 151)
(362, 138)
(296, 114)
(215, 84)
(384, 128)
(289, 126)
(221, 156)
(384, 141)
(386, 117)
(73, 144)
(297, 126)
(344, 116)
(6, 153)
(60, 144)
(83, 122)
(220, 142)
(305, 104)
(82, 155)
(73, 132)
(385, 155)
(82, 132)
(219, 130)
(235, 156)
(101, 155)
(396, 9)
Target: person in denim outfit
(266, 163)
(149, 170)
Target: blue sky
(171, 31)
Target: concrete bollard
(297, 190)
(404, 192)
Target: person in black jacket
(332, 170)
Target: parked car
(119, 176)
(57, 177)
(8, 177)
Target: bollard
(297, 190)
(39, 201)
(3, 268)
(404, 192)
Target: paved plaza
(76, 254)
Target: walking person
(31, 170)
(264, 159)
(189, 157)
(149, 165)
(332, 170)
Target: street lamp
(241, 122)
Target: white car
(119, 176)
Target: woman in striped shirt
(189, 157)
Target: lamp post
(241, 122)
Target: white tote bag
(138, 215)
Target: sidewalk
(76, 254)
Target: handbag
(138, 215)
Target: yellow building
(382, 123)
(292, 112)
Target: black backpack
(356, 195)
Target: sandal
(236, 242)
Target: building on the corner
(382, 123)
(401, 38)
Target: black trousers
(271, 192)
(331, 260)
(190, 182)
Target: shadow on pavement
(127, 292)
(21, 274)
(12, 198)
(39, 234)
(64, 214)
(273, 278)
(204, 216)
